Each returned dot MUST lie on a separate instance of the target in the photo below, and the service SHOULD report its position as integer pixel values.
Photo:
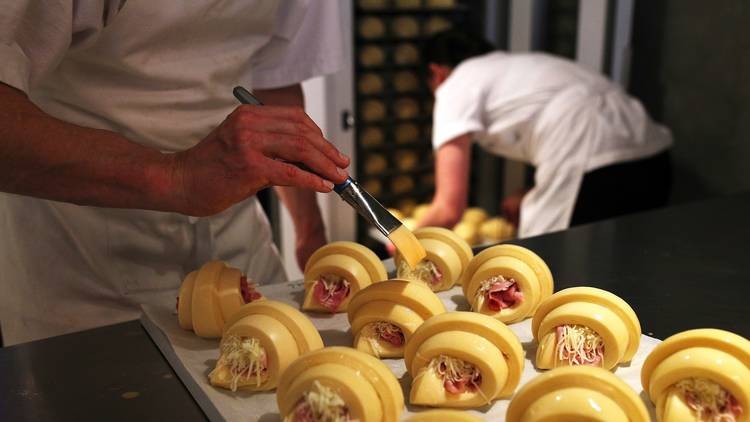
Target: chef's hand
(243, 155)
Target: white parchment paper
(193, 358)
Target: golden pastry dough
(396, 213)
(405, 27)
(585, 325)
(401, 184)
(375, 164)
(383, 316)
(341, 266)
(373, 4)
(409, 222)
(344, 378)
(407, 133)
(260, 340)
(443, 415)
(420, 210)
(371, 55)
(405, 81)
(406, 108)
(474, 215)
(436, 24)
(496, 229)
(406, 54)
(210, 295)
(371, 27)
(373, 110)
(407, 206)
(370, 83)
(459, 346)
(441, 3)
(710, 365)
(373, 187)
(447, 256)
(580, 393)
(406, 160)
(515, 269)
(467, 232)
(371, 137)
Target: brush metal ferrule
(367, 206)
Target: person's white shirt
(161, 74)
(550, 113)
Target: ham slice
(303, 412)
(248, 291)
(503, 294)
(330, 292)
(395, 338)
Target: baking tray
(193, 358)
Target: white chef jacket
(161, 74)
(548, 112)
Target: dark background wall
(691, 68)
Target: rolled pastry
(420, 211)
(467, 232)
(383, 316)
(462, 359)
(409, 222)
(405, 81)
(371, 137)
(210, 295)
(406, 108)
(371, 27)
(406, 54)
(496, 229)
(339, 383)
(699, 375)
(406, 133)
(371, 55)
(406, 160)
(396, 213)
(375, 164)
(474, 215)
(507, 282)
(373, 186)
(436, 24)
(447, 258)
(261, 339)
(443, 415)
(335, 272)
(576, 393)
(585, 326)
(373, 4)
(401, 184)
(407, 206)
(370, 83)
(405, 27)
(373, 110)
(441, 3)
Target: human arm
(452, 161)
(301, 203)
(48, 158)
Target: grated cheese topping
(246, 359)
(709, 400)
(579, 345)
(322, 404)
(458, 371)
(425, 271)
(331, 283)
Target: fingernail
(342, 156)
(328, 184)
(342, 172)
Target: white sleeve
(35, 35)
(301, 47)
(459, 106)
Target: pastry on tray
(384, 315)
(576, 393)
(260, 341)
(337, 271)
(444, 415)
(507, 282)
(585, 326)
(210, 295)
(463, 360)
(339, 384)
(699, 375)
(447, 257)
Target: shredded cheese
(457, 370)
(322, 404)
(484, 288)
(246, 359)
(708, 399)
(377, 331)
(579, 345)
(425, 271)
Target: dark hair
(451, 47)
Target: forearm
(452, 162)
(48, 158)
